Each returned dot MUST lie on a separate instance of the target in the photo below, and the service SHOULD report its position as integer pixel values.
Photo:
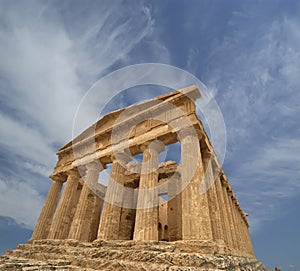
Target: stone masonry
(146, 201)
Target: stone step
(205, 247)
(182, 259)
(9, 263)
(128, 255)
(16, 264)
(98, 257)
(161, 261)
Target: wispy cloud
(49, 56)
(258, 93)
(20, 201)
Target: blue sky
(246, 52)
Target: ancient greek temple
(147, 200)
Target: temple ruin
(78, 214)
(189, 205)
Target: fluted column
(236, 223)
(43, 224)
(230, 216)
(146, 223)
(111, 213)
(127, 218)
(95, 218)
(61, 223)
(196, 223)
(224, 214)
(249, 247)
(80, 229)
(213, 202)
(174, 211)
(240, 223)
(242, 230)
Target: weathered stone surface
(202, 218)
(124, 255)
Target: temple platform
(126, 255)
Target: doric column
(81, 223)
(224, 214)
(76, 200)
(111, 213)
(61, 223)
(127, 215)
(43, 224)
(236, 223)
(146, 223)
(196, 223)
(249, 247)
(95, 218)
(230, 216)
(213, 202)
(174, 211)
(241, 225)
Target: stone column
(196, 223)
(244, 231)
(224, 214)
(249, 247)
(80, 229)
(213, 202)
(95, 218)
(240, 223)
(241, 227)
(111, 213)
(230, 216)
(146, 223)
(235, 222)
(127, 219)
(174, 211)
(61, 223)
(43, 225)
(76, 200)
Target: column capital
(73, 173)
(95, 166)
(185, 131)
(122, 157)
(58, 178)
(155, 145)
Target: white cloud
(258, 93)
(20, 201)
(49, 57)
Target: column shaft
(80, 229)
(43, 225)
(235, 223)
(61, 224)
(230, 217)
(146, 223)
(224, 214)
(213, 203)
(95, 218)
(76, 200)
(196, 223)
(174, 211)
(111, 214)
(243, 232)
(249, 246)
(127, 215)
